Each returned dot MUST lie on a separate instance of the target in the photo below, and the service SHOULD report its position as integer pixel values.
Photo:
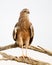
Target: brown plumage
(23, 32)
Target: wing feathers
(32, 30)
(31, 33)
(16, 28)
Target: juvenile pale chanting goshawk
(23, 32)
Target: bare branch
(39, 49)
(23, 60)
(42, 50)
(8, 47)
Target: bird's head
(25, 11)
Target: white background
(41, 18)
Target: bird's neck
(24, 16)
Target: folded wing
(31, 33)
(16, 28)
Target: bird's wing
(31, 33)
(16, 28)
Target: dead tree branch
(26, 59)
(39, 49)
(23, 60)
(8, 47)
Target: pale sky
(40, 16)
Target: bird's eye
(24, 11)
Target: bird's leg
(26, 51)
(26, 45)
(20, 43)
(22, 52)
(27, 55)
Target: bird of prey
(23, 32)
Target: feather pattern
(23, 32)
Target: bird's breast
(24, 34)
